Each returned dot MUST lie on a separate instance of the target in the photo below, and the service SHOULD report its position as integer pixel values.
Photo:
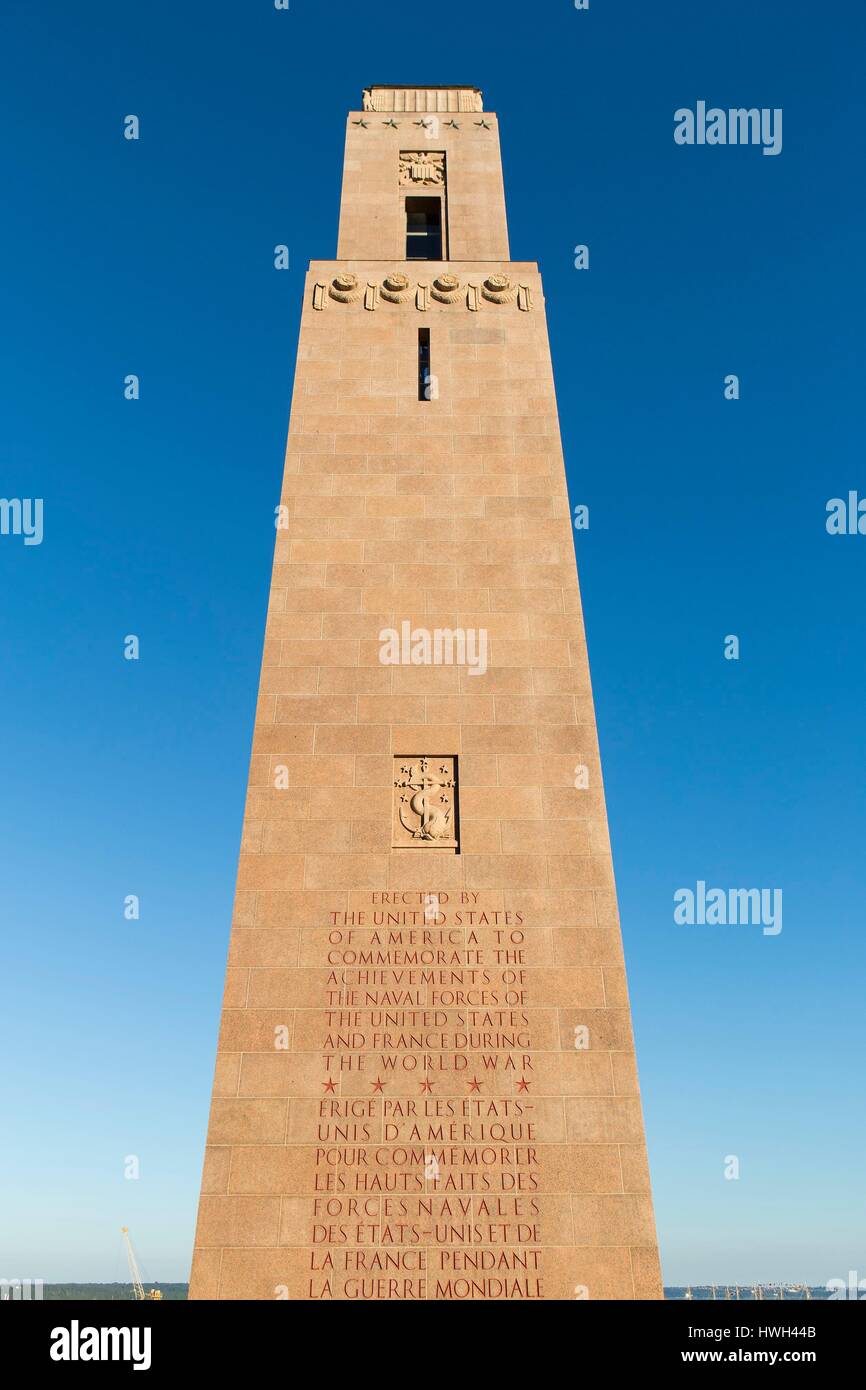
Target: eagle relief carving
(425, 802)
(421, 169)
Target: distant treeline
(123, 1292)
(120, 1292)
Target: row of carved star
(426, 1086)
(395, 125)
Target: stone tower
(425, 1085)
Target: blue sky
(706, 518)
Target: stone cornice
(430, 99)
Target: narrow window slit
(425, 377)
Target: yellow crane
(133, 1269)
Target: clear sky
(707, 518)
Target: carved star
(395, 125)
(425, 124)
(523, 1084)
(377, 1084)
(475, 1084)
(453, 124)
(330, 1086)
(483, 123)
(426, 1087)
(361, 122)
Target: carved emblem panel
(425, 802)
(422, 169)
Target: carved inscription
(426, 1177)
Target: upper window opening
(423, 229)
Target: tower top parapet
(384, 97)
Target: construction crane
(133, 1269)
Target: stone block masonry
(425, 1084)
